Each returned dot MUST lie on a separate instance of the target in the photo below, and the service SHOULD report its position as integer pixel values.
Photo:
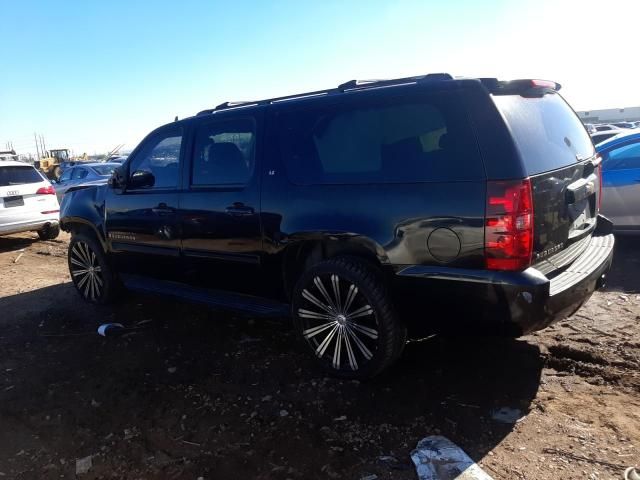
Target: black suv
(367, 212)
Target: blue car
(621, 188)
(84, 174)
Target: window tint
(624, 157)
(66, 175)
(393, 141)
(160, 155)
(224, 153)
(78, 173)
(18, 176)
(104, 170)
(547, 132)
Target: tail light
(508, 234)
(46, 190)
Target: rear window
(18, 176)
(389, 140)
(547, 132)
(104, 170)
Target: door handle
(239, 210)
(162, 208)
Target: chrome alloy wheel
(339, 323)
(86, 271)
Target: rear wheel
(343, 314)
(90, 271)
(49, 232)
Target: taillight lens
(46, 190)
(508, 233)
(600, 180)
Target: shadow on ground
(188, 392)
(626, 265)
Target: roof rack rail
(359, 84)
(343, 87)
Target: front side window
(224, 153)
(400, 141)
(66, 176)
(160, 155)
(78, 174)
(624, 158)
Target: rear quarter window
(14, 175)
(390, 140)
(547, 132)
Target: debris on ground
(83, 465)
(507, 415)
(438, 458)
(110, 329)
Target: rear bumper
(29, 226)
(510, 303)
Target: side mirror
(141, 179)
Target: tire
(49, 232)
(57, 172)
(94, 278)
(343, 315)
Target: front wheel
(344, 316)
(90, 271)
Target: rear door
(220, 210)
(621, 197)
(19, 200)
(558, 156)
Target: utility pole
(35, 137)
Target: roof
(350, 86)
(618, 139)
(13, 163)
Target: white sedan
(28, 201)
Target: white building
(609, 115)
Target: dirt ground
(191, 393)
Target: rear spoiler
(523, 87)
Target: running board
(214, 298)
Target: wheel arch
(78, 224)
(307, 250)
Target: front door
(220, 209)
(621, 197)
(142, 219)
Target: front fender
(85, 206)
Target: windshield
(18, 176)
(547, 132)
(104, 170)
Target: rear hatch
(19, 200)
(560, 160)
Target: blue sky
(93, 74)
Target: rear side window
(548, 134)
(392, 140)
(18, 176)
(224, 153)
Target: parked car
(621, 187)
(368, 212)
(600, 137)
(27, 201)
(624, 125)
(603, 127)
(84, 174)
